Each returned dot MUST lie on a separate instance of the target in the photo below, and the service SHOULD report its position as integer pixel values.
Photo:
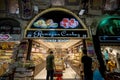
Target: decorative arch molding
(9, 26)
(10, 21)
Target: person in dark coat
(87, 66)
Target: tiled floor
(68, 74)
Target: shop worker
(87, 65)
(50, 65)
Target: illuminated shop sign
(58, 33)
(49, 23)
(109, 38)
(4, 37)
(56, 22)
(109, 29)
(109, 26)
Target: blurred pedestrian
(106, 57)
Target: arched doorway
(58, 29)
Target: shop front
(107, 45)
(57, 29)
(10, 36)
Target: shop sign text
(56, 33)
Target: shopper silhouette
(106, 57)
(87, 66)
(50, 66)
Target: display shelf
(76, 61)
(5, 60)
(39, 68)
(59, 64)
(38, 59)
(24, 72)
(22, 67)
